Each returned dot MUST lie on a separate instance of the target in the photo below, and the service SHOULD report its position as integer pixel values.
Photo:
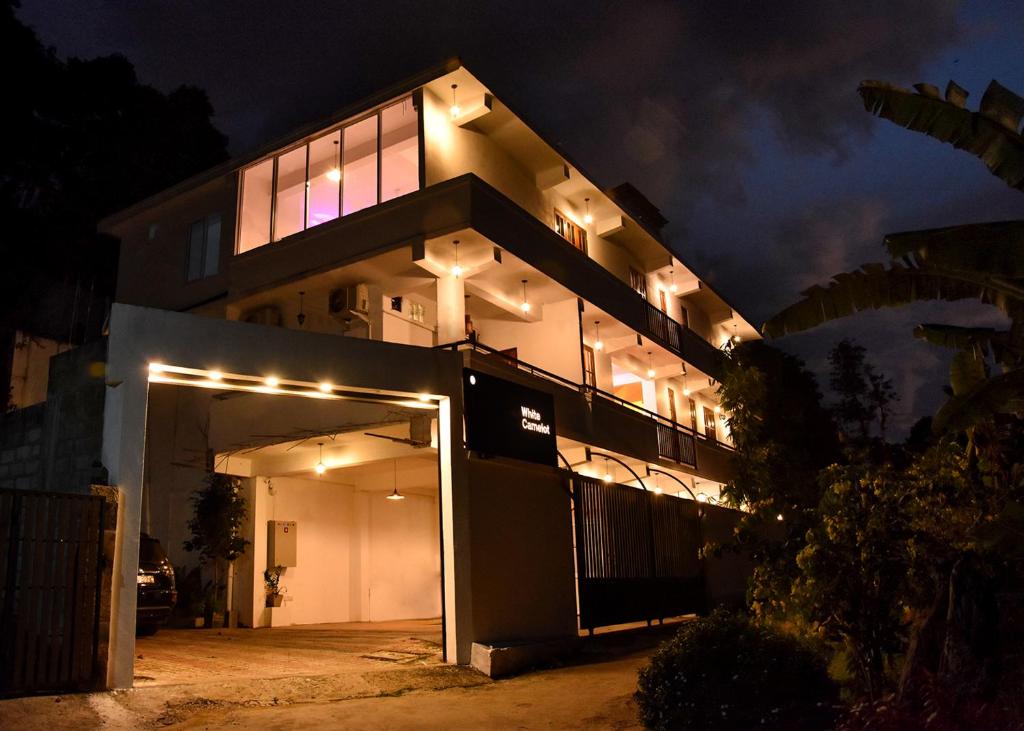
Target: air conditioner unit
(265, 315)
(351, 300)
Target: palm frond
(1000, 394)
(996, 248)
(991, 134)
(873, 287)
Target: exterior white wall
(360, 557)
(551, 344)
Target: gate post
(110, 539)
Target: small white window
(203, 252)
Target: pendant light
(650, 365)
(672, 287)
(598, 343)
(607, 472)
(320, 467)
(395, 494)
(334, 174)
(525, 306)
(686, 390)
(456, 270)
(454, 110)
(587, 218)
(301, 317)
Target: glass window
(399, 155)
(359, 189)
(196, 246)
(324, 179)
(290, 200)
(211, 252)
(257, 190)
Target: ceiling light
(320, 467)
(650, 366)
(424, 397)
(215, 375)
(672, 287)
(326, 387)
(587, 218)
(456, 270)
(702, 498)
(454, 110)
(334, 174)
(395, 494)
(525, 307)
(718, 409)
(607, 472)
(272, 381)
(686, 392)
(778, 517)
(598, 343)
(156, 367)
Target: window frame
(578, 234)
(710, 425)
(203, 247)
(413, 97)
(589, 367)
(638, 281)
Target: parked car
(157, 593)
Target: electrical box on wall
(282, 540)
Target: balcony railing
(675, 441)
(664, 328)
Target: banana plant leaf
(1001, 394)
(987, 339)
(874, 287)
(991, 134)
(995, 249)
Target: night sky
(742, 124)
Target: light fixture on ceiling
(456, 270)
(395, 494)
(215, 375)
(702, 498)
(326, 387)
(320, 467)
(672, 287)
(454, 110)
(650, 365)
(598, 343)
(718, 409)
(525, 306)
(301, 317)
(272, 381)
(779, 517)
(587, 218)
(607, 472)
(735, 333)
(334, 174)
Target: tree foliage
(218, 514)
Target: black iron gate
(637, 554)
(50, 578)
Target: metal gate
(50, 577)
(637, 554)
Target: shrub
(725, 672)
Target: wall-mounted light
(650, 365)
(587, 218)
(598, 343)
(334, 174)
(395, 494)
(320, 467)
(525, 306)
(454, 110)
(456, 270)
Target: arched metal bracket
(590, 453)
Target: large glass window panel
(257, 191)
(359, 176)
(211, 255)
(324, 178)
(400, 156)
(290, 203)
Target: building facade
(419, 298)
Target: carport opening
(359, 557)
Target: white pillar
(451, 309)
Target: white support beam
(547, 179)
(610, 226)
(473, 109)
(488, 293)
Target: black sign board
(508, 420)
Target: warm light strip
(255, 384)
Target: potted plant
(272, 580)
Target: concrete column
(451, 309)
(124, 441)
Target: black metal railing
(675, 441)
(664, 328)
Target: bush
(725, 672)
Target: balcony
(588, 414)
